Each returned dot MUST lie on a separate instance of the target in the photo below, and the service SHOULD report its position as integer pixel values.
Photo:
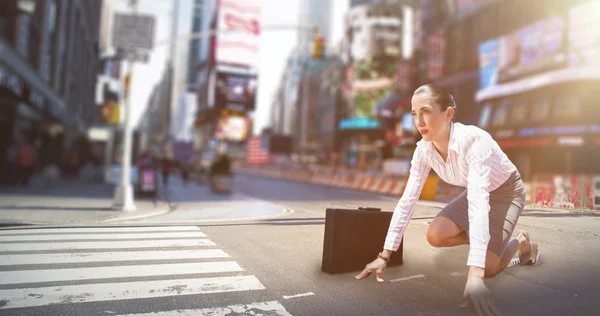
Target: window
(500, 114)
(541, 109)
(567, 107)
(484, 117)
(518, 111)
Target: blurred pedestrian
(483, 216)
(26, 163)
(165, 166)
(185, 173)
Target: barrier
(564, 191)
(547, 190)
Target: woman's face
(430, 120)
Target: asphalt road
(273, 265)
(287, 252)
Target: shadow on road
(48, 208)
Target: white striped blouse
(476, 162)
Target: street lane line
(298, 295)
(101, 236)
(30, 297)
(268, 308)
(79, 274)
(30, 231)
(284, 212)
(85, 257)
(418, 276)
(106, 245)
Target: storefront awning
(538, 81)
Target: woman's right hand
(375, 267)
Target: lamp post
(123, 198)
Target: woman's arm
(419, 170)
(478, 183)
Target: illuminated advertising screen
(488, 64)
(233, 128)
(236, 92)
(536, 48)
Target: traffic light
(319, 42)
(111, 113)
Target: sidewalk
(70, 201)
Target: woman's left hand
(480, 296)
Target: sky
(275, 48)
(146, 76)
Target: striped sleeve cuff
(477, 257)
(392, 242)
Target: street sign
(142, 56)
(133, 31)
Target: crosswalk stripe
(106, 245)
(85, 257)
(98, 230)
(79, 274)
(272, 308)
(101, 236)
(31, 297)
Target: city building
(154, 126)
(378, 76)
(298, 97)
(226, 68)
(48, 71)
(537, 74)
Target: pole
(123, 199)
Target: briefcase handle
(369, 208)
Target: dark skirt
(506, 204)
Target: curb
(135, 217)
(169, 207)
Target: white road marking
(98, 230)
(298, 295)
(417, 276)
(87, 257)
(455, 274)
(101, 236)
(106, 245)
(273, 308)
(56, 275)
(30, 297)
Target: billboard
(238, 41)
(584, 35)
(235, 91)
(233, 128)
(536, 48)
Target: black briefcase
(354, 237)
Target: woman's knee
(440, 230)
(433, 237)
